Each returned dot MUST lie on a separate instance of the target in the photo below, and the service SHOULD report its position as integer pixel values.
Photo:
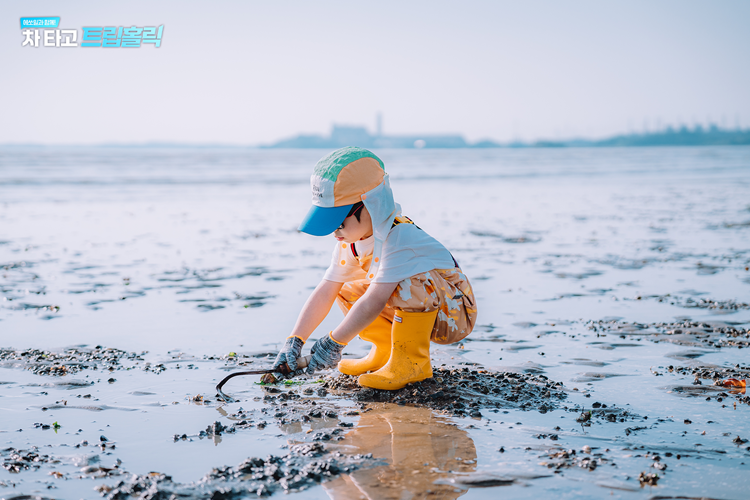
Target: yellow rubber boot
(410, 353)
(379, 333)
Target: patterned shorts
(444, 290)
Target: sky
(253, 72)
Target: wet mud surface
(462, 391)
(350, 440)
(613, 289)
(305, 465)
(69, 361)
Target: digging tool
(269, 375)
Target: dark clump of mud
(715, 334)
(240, 420)
(67, 361)
(648, 479)
(15, 460)
(305, 465)
(586, 459)
(463, 391)
(712, 372)
(720, 388)
(603, 413)
(719, 306)
(727, 305)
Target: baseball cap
(340, 179)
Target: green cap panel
(330, 166)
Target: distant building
(347, 135)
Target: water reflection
(420, 447)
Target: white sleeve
(344, 265)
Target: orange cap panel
(357, 178)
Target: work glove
(289, 354)
(326, 353)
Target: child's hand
(289, 354)
(326, 353)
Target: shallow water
(187, 254)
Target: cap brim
(321, 221)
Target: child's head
(356, 226)
(340, 184)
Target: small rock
(648, 479)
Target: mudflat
(613, 288)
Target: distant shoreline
(345, 136)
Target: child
(398, 287)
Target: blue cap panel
(321, 221)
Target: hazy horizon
(251, 73)
(568, 142)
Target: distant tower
(379, 125)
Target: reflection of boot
(410, 352)
(412, 441)
(419, 446)
(379, 333)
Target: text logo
(36, 34)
